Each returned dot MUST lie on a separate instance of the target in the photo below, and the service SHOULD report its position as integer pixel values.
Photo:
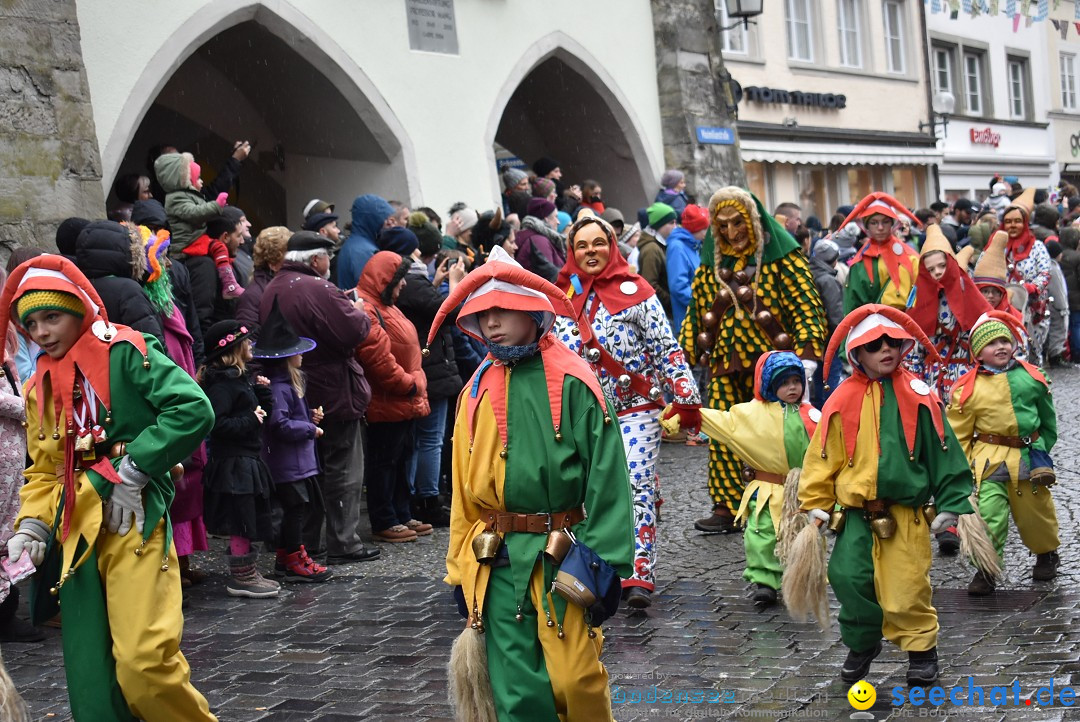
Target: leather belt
(876, 506)
(534, 523)
(1014, 442)
(750, 474)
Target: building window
(799, 30)
(893, 11)
(1018, 87)
(757, 181)
(908, 185)
(735, 41)
(1067, 65)
(850, 22)
(944, 71)
(973, 83)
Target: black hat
(317, 220)
(224, 336)
(963, 204)
(397, 239)
(277, 339)
(544, 165)
(67, 233)
(309, 241)
(149, 213)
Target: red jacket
(390, 354)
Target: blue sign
(716, 136)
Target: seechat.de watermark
(976, 695)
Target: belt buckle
(1026, 440)
(548, 523)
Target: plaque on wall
(432, 27)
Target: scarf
(964, 298)
(533, 223)
(617, 286)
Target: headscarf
(965, 300)
(617, 286)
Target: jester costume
(535, 450)
(113, 396)
(945, 310)
(881, 272)
(991, 271)
(724, 324)
(1028, 264)
(881, 451)
(1006, 423)
(751, 431)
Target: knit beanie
(196, 171)
(827, 251)
(542, 187)
(33, 301)
(544, 165)
(67, 233)
(671, 178)
(399, 240)
(986, 332)
(695, 218)
(512, 176)
(540, 208)
(427, 235)
(466, 218)
(660, 214)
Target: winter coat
(677, 201)
(539, 249)
(247, 306)
(182, 297)
(237, 431)
(420, 301)
(210, 307)
(1070, 269)
(683, 259)
(830, 289)
(104, 254)
(398, 394)
(319, 311)
(288, 432)
(185, 207)
(369, 212)
(652, 266)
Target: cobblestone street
(373, 643)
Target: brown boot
(721, 521)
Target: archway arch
(559, 101)
(321, 127)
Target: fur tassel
(469, 683)
(12, 706)
(975, 542)
(806, 578)
(791, 521)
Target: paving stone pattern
(373, 643)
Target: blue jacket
(369, 212)
(678, 201)
(683, 259)
(288, 434)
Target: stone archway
(319, 127)
(559, 101)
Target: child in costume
(1004, 417)
(108, 415)
(991, 276)
(237, 483)
(883, 270)
(536, 450)
(752, 430)
(289, 435)
(881, 451)
(188, 213)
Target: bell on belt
(929, 512)
(725, 274)
(741, 278)
(176, 473)
(837, 517)
(745, 294)
(558, 543)
(592, 355)
(709, 319)
(782, 341)
(764, 316)
(884, 526)
(655, 394)
(706, 340)
(623, 382)
(485, 546)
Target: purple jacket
(288, 433)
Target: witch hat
(277, 339)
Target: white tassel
(12, 706)
(469, 683)
(806, 578)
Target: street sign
(716, 136)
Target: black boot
(948, 543)
(764, 595)
(638, 598)
(430, 511)
(922, 668)
(857, 664)
(981, 585)
(721, 521)
(1045, 567)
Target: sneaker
(922, 668)
(419, 527)
(948, 543)
(981, 585)
(364, 554)
(246, 581)
(764, 595)
(721, 521)
(857, 664)
(1045, 567)
(395, 534)
(638, 598)
(698, 439)
(299, 567)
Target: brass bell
(837, 517)
(741, 278)
(425, 352)
(655, 394)
(623, 381)
(763, 316)
(558, 544)
(176, 473)
(54, 591)
(725, 294)
(550, 623)
(884, 526)
(485, 546)
(146, 364)
(705, 339)
(725, 274)
(709, 319)
(592, 355)
(783, 342)
(929, 512)
(745, 294)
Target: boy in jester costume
(1003, 414)
(536, 450)
(883, 270)
(882, 449)
(108, 416)
(753, 293)
(751, 431)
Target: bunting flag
(1030, 11)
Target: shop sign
(432, 26)
(715, 136)
(831, 101)
(1074, 143)
(986, 136)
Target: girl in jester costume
(751, 431)
(1004, 417)
(882, 449)
(991, 276)
(536, 450)
(753, 293)
(633, 353)
(108, 415)
(883, 270)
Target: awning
(769, 151)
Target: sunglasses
(875, 345)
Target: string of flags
(1027, 12)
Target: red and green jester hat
(881, 272)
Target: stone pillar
(50, 167)
(688, 68)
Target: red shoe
(299, 567)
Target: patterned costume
(882, 450)
(533, 437)
(782, 284)
(751, 431)
(880, 272)
(634, 352)
(1028, 264)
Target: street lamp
(742, 10)
(942, 106)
